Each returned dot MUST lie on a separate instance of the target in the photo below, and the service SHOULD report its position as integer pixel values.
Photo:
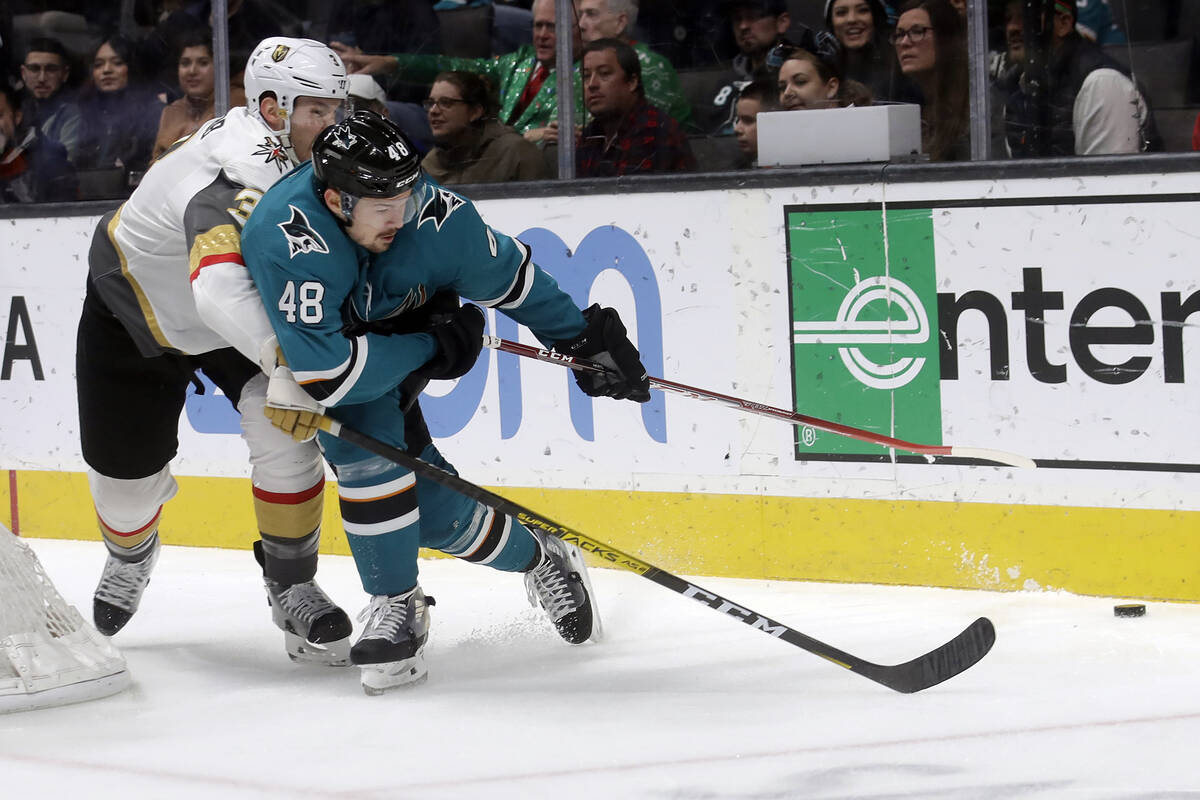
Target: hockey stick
(927, 450)
(938, 665)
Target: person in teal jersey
(360, 260)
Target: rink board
(1054, 318)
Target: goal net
(49, 655)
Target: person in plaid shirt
(627, 135)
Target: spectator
(758, 25)
(866, 54)
(605, 19)
(525, 78)
(627, 133)
(807, 81)
(755, 97)
(1095, 22)
(1091, 104)
(33, 169)
(470, 145)
(185, 116)
(48, 106)
(930, 42)
(411, 117)
(121, 115)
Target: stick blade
(998, 456)
(936, 666)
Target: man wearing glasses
(47, 106)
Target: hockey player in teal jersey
(360, 260)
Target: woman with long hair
(196, 79)
(931, 48)
(120, 113)
(866, 54)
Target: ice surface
(677, 702)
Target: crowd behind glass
(92, 93)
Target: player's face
(801, 87)
(853, 23)
(745, 125)
(606, 90)
(376, 220)
(43, 73)
(310, 116)
(196, 72)
(110, 73)
(597, 22)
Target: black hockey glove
(418, 320)
(459, 338)
(605, 341)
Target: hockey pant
(129, 409)
(389, 512)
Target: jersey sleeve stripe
(522, 283)
(223, 258)
(331, 385)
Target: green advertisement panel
(864, 326)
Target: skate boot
(391, 649)
(561, 586)
(120, 590)
(315, 630)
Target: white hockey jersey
(184, 217)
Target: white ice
(677, 702)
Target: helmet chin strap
(285, 136)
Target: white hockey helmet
(291, 68)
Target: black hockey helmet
(366, 155)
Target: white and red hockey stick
(795, 418)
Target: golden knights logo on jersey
(272, 152)
(301, 237)
(439, 207)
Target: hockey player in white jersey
(163, 300)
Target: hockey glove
(290, 408)
(605, 341)
(418, 320)
(459, 338)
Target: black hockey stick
(938, 665)
(793, 417)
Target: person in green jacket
(525, 79)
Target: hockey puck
(1129, 610)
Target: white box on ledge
(839, 135)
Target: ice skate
(120, 590)
(315, 630)
(561, 586)
(391, 649)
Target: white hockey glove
(288, 406)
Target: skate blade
(405, 674)
(580, 566)
(330, 654)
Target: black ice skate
(391, 649)
(120, 590)
(315, 630)
(560, 585)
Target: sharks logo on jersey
(301, 237)
(439, 207)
